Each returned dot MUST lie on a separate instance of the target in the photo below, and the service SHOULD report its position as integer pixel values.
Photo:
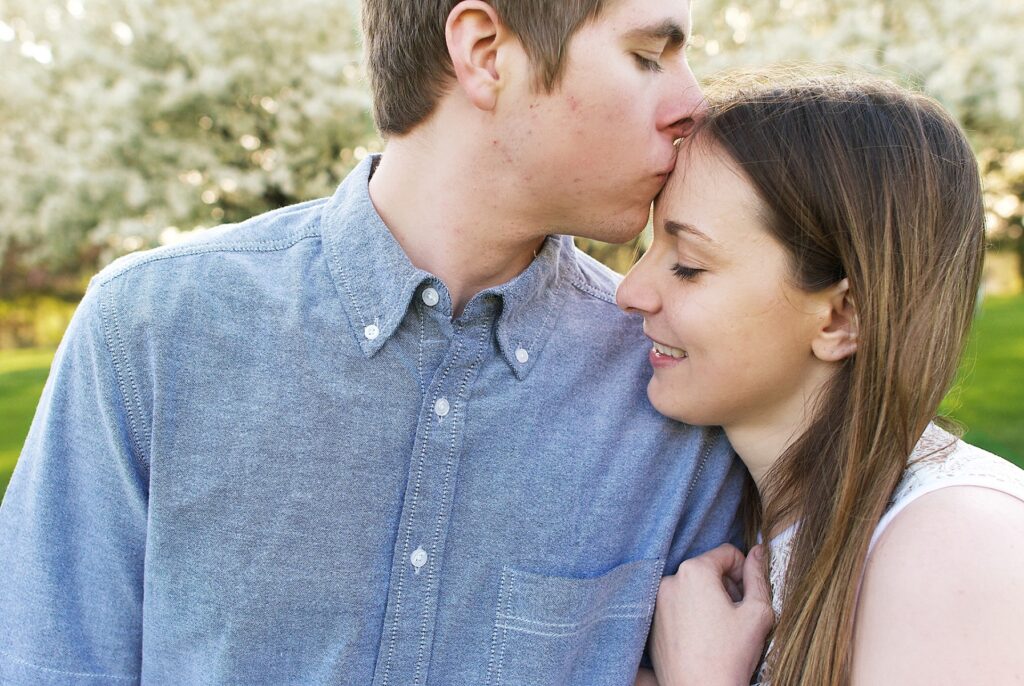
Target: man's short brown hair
(407, 56)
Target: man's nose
(688, 106)
(682, 128)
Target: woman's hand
(711, 619)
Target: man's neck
(447, 211)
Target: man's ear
(474, 34)
(837, 338)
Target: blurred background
(129, 124)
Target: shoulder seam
(132, 402)
(705, 454)
(187, 251)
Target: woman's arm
(943, 594)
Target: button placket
(412, 603)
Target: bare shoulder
(943, 593)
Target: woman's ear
(474, 33)
(837, 338)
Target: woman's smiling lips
(663, 355)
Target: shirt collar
(532, 303)
(376, 280)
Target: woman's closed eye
(686, 273)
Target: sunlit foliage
(127, 123)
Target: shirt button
(441, 407)
(430, 297)
(418, 558)
(371, 332)
(522, 355)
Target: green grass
(988, 398)
(22, 375)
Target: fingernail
(758, 552)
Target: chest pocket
(559, 631)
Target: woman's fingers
(742, 577)
(725, 560)
(757, 590)
(755, 581)
(723, 564)
(734, 589)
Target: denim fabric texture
(271, 456)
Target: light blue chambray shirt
(270, 456)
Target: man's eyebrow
(667, 30)
(675, 228)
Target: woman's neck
(761, 440)
(761, 446)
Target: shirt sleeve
(712, 514)
(73, 523)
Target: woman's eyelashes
(686, 273)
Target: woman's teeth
(669, 350)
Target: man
(396, 436)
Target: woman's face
(732, 335)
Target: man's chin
(618, 230)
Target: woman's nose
(636, 294)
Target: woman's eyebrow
(674, 228)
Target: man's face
(595, 152)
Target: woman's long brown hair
(861, 180)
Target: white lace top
(939, 460)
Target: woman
(810, 287)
